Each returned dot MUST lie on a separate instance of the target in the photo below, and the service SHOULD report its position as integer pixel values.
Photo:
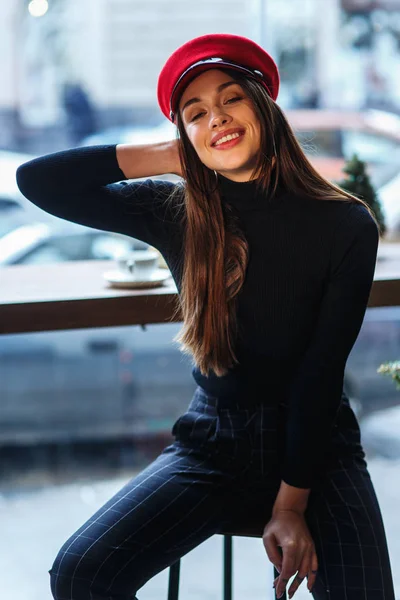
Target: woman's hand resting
(288, 530)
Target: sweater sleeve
(85, 185)
(316, 390)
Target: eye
(202, 113)
(196, 117)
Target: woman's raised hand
(174, 157)
(289, 531)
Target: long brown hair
(215, 250)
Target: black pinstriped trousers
(224, 466)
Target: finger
(275, 582)
(289, 568)
(312, 575)
(303, 570)
(274, 552)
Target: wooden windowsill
(74, 295)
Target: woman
(274, 267)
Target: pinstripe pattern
(224, 467)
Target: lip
(220, 135)
(228, 145)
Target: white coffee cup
(139, 264)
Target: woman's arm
(316, 391)
(85, 185)
(291, 498)
(148, 159)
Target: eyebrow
(221, 87)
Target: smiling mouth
(228, 142)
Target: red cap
(212, 51)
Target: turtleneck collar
(245, 196)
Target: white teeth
(226, 138)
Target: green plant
(359, 184)
(393, 370)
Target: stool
(228, 532)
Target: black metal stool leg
(174, 572)
(173, 585)
(227, 567)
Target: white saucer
(122, 280)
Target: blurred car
(43, 243)
(79, 386)
(12, 215)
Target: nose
(218, 120)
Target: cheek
(253, 122)
(198, 141)
(256, 133)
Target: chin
(232, 163)
(241, 167)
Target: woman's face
(211, 105)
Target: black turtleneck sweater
(301, 307)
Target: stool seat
(228, 531)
